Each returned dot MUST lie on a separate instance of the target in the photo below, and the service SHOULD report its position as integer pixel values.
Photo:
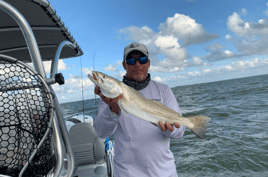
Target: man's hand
(111, 102)
(167, 126)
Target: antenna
(95, 94)
(93, 61)
(82, 89)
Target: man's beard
(139, 78)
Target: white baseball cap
(135, 46)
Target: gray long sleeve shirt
(141, 149)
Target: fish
(133, 102)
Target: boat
(35, 140)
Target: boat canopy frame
(64, 49)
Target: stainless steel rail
(33, 28)
(54, 64)
(65, 137)
(28, 35)
(60, 134)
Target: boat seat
(87, 146)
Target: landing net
(25, 121)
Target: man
(141, 149)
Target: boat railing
(60, 141)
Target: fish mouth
(95, 79)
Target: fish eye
(103, 76)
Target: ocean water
(236, 143)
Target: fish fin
(200, 125)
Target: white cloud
(247, 29)
(193, 73)
(61, 66)
(76, 82)
(119, 75)
(70, 91)
(186, 29)
(216, 54)
(235, 66)
(261, 21)
(143, 34)
(167, 42)
(206, 70)
(177, 29)
(266, 12)
(197, 61)
(170, 78)
(47, 66)
(118, 63)
(169, 47)
(175, 69)
(56, 87)
(228, 37)
(250, 38)
(251, 63)
(87, 71)
(159, 79)
(238, 66)
(228, 53)
(243, 11)
(72, 86)
(236, 24)
(214, 47)
(165, 69)
(110, 68)
(113, 67)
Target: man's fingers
(118, 98)
(97, 90)
(153, 124)
(162, 126)
(102, 96)
(105, 99)
(169, 127)
(114, 101)
(177, 125)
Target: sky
(189, 41)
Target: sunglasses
(132, 61)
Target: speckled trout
(135, 103)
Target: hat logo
(132, 46)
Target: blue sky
(189, 41)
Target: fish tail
(200, 125)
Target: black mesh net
(25, 110)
